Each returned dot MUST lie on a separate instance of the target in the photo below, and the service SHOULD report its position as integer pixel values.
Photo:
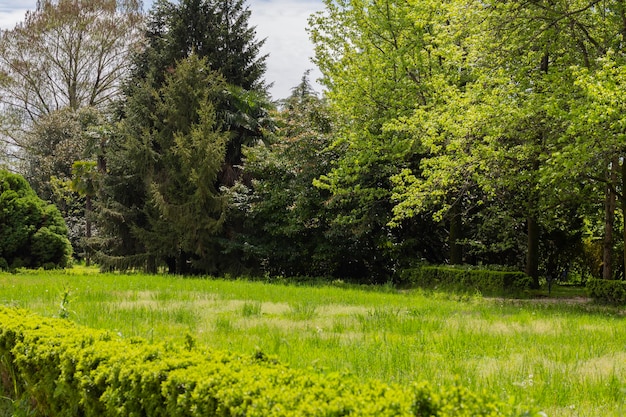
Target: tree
(175, 148)
(57, 142)
(544, 41)
(285, 222)
(549, 40)
(235, 108)
(32, 232)
(594, 146)
(382, 61)
(494, 135)
(66, 53)
(216, 30)
(85, 183)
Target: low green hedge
(488, 282)
(61, 369)
(607, 291)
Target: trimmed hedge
(463, 279)
(607, 291)
(65, 370)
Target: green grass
(567, 356)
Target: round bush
(32, 232)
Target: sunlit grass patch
(302, 310)
(251, 309)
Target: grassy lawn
(567, 356)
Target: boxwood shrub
(61, 369)
(607, 291)
(464, 279)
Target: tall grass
(568, 358)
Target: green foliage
(485, 281)
(458, 111)
(607, 291)
(216, 30)
(32, 232)
(180, 140)
(286, 230)
(84, 178)
(177, 147)
(57, 141)
(66, 370)
(54, 145)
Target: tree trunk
(609, 221)
(151, 265)
(456, 230)
(623, 206)
(532, 237)
(88, 208)
(532, 255)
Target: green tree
(285, 222)
(382, 61)
(85, 183)
(494, 136)
(132, 214)
(546, 41)
(594, 147)
(55, 144)
(176, 147)
(56, 141)
(218, 31)
(32, 232)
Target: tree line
(461, 132)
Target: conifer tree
(173, 208)
(160, 202)
(216, 30)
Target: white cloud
(13, 11)
(281, 22)
(10, 17)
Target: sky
(281, 22)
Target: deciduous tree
(65, 54)
(382, 61)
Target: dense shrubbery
(607, 291)
(467, 279)
(64, 370)
(32, 232)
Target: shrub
(468, 280)
(32, 232)
(607, 291)
(65, 370)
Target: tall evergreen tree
(151, 175)
(172, 209)
(216, 30)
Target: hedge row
(463, 279)
(61, 369)
(607, 291)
